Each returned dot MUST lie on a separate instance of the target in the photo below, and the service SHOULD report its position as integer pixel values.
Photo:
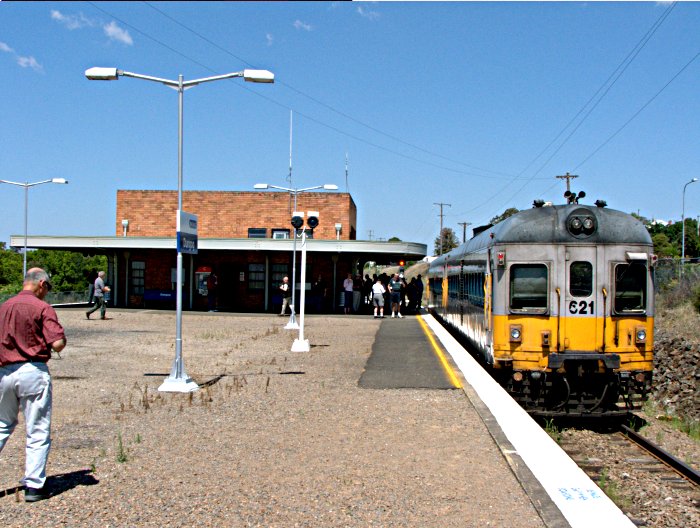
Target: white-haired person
(29, 331)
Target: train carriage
(558, 302)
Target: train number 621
(581, 307)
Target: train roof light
(601, 203)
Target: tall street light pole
(683, 228)
(292, 324)
(26, 186)
(178, 381)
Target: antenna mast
(346, 172)
(568, 177)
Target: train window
(630, 287)
(528, 287)
(581, 279)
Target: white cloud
(298, 24)
(114, 32)
(371, 15)
(30, 62)
(72, 21)
(24, 62)
(270, 39)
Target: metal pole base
(178, 385)
(300, 345)
(292, 324)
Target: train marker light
(640, 335)
(501, 258)
(516, 333)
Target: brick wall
(229, 214)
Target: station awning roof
(379, 251)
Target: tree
(394, 239)
(505, 214)
(449, 241)
(663, 246)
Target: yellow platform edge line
(438, 352)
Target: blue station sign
(186, 233)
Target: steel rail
(679, 466)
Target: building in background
(245, 238)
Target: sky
(477, 106)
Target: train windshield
(630, 287)
(581, 279)
(528, 288)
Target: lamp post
(292, 324)
(178, 381)
(683, 228)
(26, 186)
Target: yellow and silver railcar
(558, 302)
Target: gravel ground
(277, 439)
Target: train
(557, 302)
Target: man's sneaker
(36, 494)
(392, 315)
(400, 316)
(87, 315)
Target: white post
(301, 344)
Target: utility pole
(369, 233)
(568, 177)
(441, 215)
(464, 230)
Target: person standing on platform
(395, 291)
(212, 287)
(100, 290)
(348, 284)
(286, 293)
(29, 330)
(378, 292)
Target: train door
(580, 306)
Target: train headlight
(516, 333)
(581, 223)
(641, 335)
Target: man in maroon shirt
(29, 330)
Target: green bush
(696, 298)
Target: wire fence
(57, 298)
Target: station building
(245, 238)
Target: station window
(528, 288)
(280, 233)
(257, 232)
(581, 279)
(138, 277)
(256, 276)
(630, 287)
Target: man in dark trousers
(29, 330)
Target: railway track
(654, 488)
(660, 454)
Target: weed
(122, 455)
(609, 487)
(687, 426)
(553, 431)
(138, 438)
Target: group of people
(373, 294)
(363, 296)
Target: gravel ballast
(275, 438)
